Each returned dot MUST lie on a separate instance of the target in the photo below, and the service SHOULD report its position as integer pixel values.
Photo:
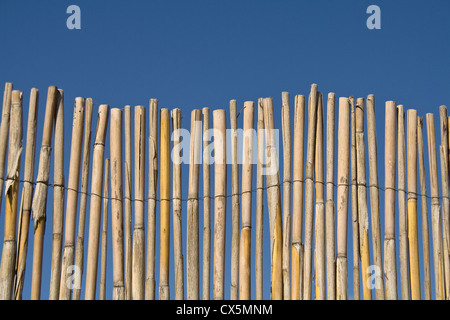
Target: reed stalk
(320, 288)
(192, 236)
(152, 181)
(374, 197)
(413, 236)
(436, 226)
(235, 205)
(363, 212)
(27, 196)
(297, 197)
(247, 177)
(138, 250)
(8, 262)
(39, 203)
(164, 191)
(403, 218)
(220, 174)
(177, 208)
(445, 210)
(58, 200)
(330, 204)
(355, 218)
(66, 285)
(445, 200)
(309, 192)
(390, 263)
(424, 207)
(286, 133)
(96, 202)
(128, 235)
(206, 270)
(342, 195)
(117, 204)
(274, 203)
(104, 232)
(259, 202)
(79, 252)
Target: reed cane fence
(323, 195)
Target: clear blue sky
(194, 54)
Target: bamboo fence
(309, 192)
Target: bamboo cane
(247, 176)
(235, 206)
(363, 213)
(7, 267)
(390, 264)
(104, 232)
(177, 213)
(39, 203)
(27, 194)
(309, 191)
(374, 197)
(445, 210)
(165, 205)
(330, 218)
(259, 203)
(448, 143)
(138, 254)
(206, 208)
(96, 202)
(152, 180)
(192, 243)
(423, 197)
(65, 286)
(117, 204)
(445, 201)
(320, 206)
(4, 133)
(297, 198)
(79, 253)
(412, 205)
(444, 127)
(19, 227)
(274, 203)
(220, 174)
(435, 210)
(342, 195)
(286, 132)
(403, 218)
(355, 218)
(58, 200)
(128, 239)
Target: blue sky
(194, 54)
